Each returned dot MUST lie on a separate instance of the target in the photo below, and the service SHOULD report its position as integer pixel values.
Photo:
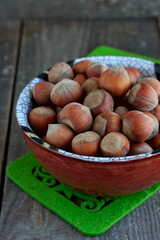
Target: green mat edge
(111, 51)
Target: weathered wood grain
(43, 44)
(79, 9)
(9, 38)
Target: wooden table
(27, 48)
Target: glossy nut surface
(76, 116)
(137, 126)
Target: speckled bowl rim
(25, 104)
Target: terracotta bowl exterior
(96, 176)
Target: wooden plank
(79, 9)
(139, 36)
(9, 39)
(44, 43)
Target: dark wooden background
(33, 36)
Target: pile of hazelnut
(93, 110)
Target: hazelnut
(115, 80)
(155, 124)
(80, 67)
(60, 71)
(86, 143)
(89, 85)
(76, 116)
(99, 101)
(39, 118)
(41, 92)
(137, 126)
(139, 148)
(106, 122)
(143, 97)
(156, 112)
(153, 83)
(80, 78)
(95, 69)
(134, 74)
(114, 145)
(66, 91)
(121, 110)
(59, 135)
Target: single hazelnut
(156, 112)
(39, 118)
(59, 135)
(114, 145)
(89, 85)
(139, 148)
(80, 78)
(41, 92)
(137, 126)
(99, 101)
(76, 116)
(134, 74)
(86, 143)
(106, 122)
(155, 124)
(143, 97)
(95, 69)
(153, 83)
(66, 91)
(80, 67)
(115, 80)
(60, 71)
(121, 110)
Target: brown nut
(96, 69)
(156, 112)
(155, 124)
(115, 80)
(139, 148)
(66, 91)
(59, 135)
(60, 71)
(76, 116)
(114, 145)
(134, 74)
(86, 143)
(80, 78)
(80, 67)
(137, 126)
(89, 85)
(153, 83)
(39, 118)
(99, 101)
(41, 92)
(106, 122)
(143, 97)
(121, 110)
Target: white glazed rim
(24, 104)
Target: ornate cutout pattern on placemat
(86, 202)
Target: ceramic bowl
(101, 176)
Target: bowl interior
(25, 103)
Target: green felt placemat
(90, 215)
